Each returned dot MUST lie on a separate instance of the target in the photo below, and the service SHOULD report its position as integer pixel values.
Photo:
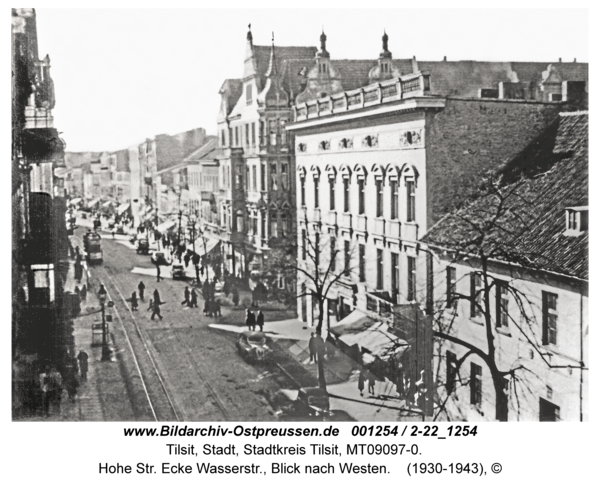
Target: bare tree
(489, 231)
(313, 259)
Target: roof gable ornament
(323, 52)
(385, 53)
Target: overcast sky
(123, 75)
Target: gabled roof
(546, 178)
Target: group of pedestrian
(254, 321)
(190, 298)
(366, 376)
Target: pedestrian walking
(71, 384)
(102, 292)
(83, 357)
(83, 292)
(217, 308)
(197, 269)
(156, 310)
(371, 383)
(312, 347)
(157, 297)
(55, 388)
(235, 296)
(260, 320)
(206, 306)
(186, 297)
(250, 320)
(141, 288)
(361, 381)
(193, 298)
(134, 302)
(186, 259)
(158, 277)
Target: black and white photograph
(299, 215)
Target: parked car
(252, 346)
(143, 246)
(177, 271)
(312, 402)
(160, 258)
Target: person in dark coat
(83, 292)
(217, 308)
(157, 297)
(158, 277)
(71, 384)
(312, 347)
(186, 259)
(134, 302)
(361, 381)
(156, 310)
(371, 383)
(250, 320)
(77, 292)
(102, 292)
(197, 269)
(260, 320)
(141, 288)
(186, 295)
(193, 298)
(83, 357)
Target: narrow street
(191, 372)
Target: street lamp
(106, 352)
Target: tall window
(379, 268)
(379, 197)
(254, 178)
(253, 138)
(273, 218)
(237, 136)
(346, 195)
(549, 317)
(284, 223)
(395, 275)
(302, 191)
(332, 253)
(283, 132)
(412, 278)
(247, 178)
(263, 177)
(501, 304)
(476, 294)
(361, 263)
(332, 194)
(248, 94)
(247, 127)
(303, 243)
(394, 200)
(475, 384)
(261, 132)
(273, 132)
(273, 177)
(347, 256)
(451, 369)
(450, 286)
(284, 176)
(316, 192)
(263, 224)
(231, 137)
(410, 200)
(361, 196)
(222, 138)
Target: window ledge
(503, 331)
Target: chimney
(445, 59)
(560, 59)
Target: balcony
(332, 218)
(361, 223)
(379, 226)
(316, 215)
(393, 229)
(346, 221)
(411, 231)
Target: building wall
(517, 345)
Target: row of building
(41, 309)
(374, 165)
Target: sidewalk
(341, 373)
(101, 396)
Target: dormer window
(385, 68)
(249, 94)
(576, 220)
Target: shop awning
(106, 204)
(202, 248)
(122, 208)
(162, 227)
(93, 202)
(370, 336)
(77, 200)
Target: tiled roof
(548, 177)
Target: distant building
(534, 255)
